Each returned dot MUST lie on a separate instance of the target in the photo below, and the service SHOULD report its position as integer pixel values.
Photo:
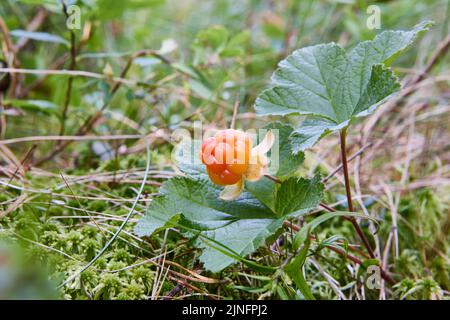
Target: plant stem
(273, 178)
(338, 168)
(235, 111)
(384, 275)
(343, 134)
(343, 253)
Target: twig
(235, 111)
(357, 183)
(349, 199)
(25, 159)
(351, 219)
(296, 228)
(80, 205)
(15, 205)
(10, 62)
(73, 63)
(438, 54)
(70, 138)
(32, 27)
(341, 252)
(273, 178)
(11, 56)
(76, 73)
(187, 285)
(25, 91)
(343, 134)
(58, 63)
(2, 117)
(176, 290)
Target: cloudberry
(226, 156)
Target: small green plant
(330, 86)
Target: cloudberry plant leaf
(243, 236)
(242, 225)
(296, 196)
(287, 164)
(332, 87)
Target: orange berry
(215, 177)
(224, 153)
(226, 156)
(208, 150)
(229, 177)
(227, 136)
(237, 168)
(242, 152)
(216, 167)
(224, 178)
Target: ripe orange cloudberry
(226, 156)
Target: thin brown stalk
(341, 252)
(87, 30)
(11, 61)
(34, 25)
(437, 55)
(348, 192)
(81, 206)
(235, 111)
(10, 55)
(28, 155)
(273, 178)
(73, 64)
(70, 138)
(353, 156)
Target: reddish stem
(343, 134)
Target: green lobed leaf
(243, 236)
(192, 203)
(286, 164)
(242, 225)
(326, 82)
(264, 190)
(198, 200)
(312, 130)
(297, 196)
